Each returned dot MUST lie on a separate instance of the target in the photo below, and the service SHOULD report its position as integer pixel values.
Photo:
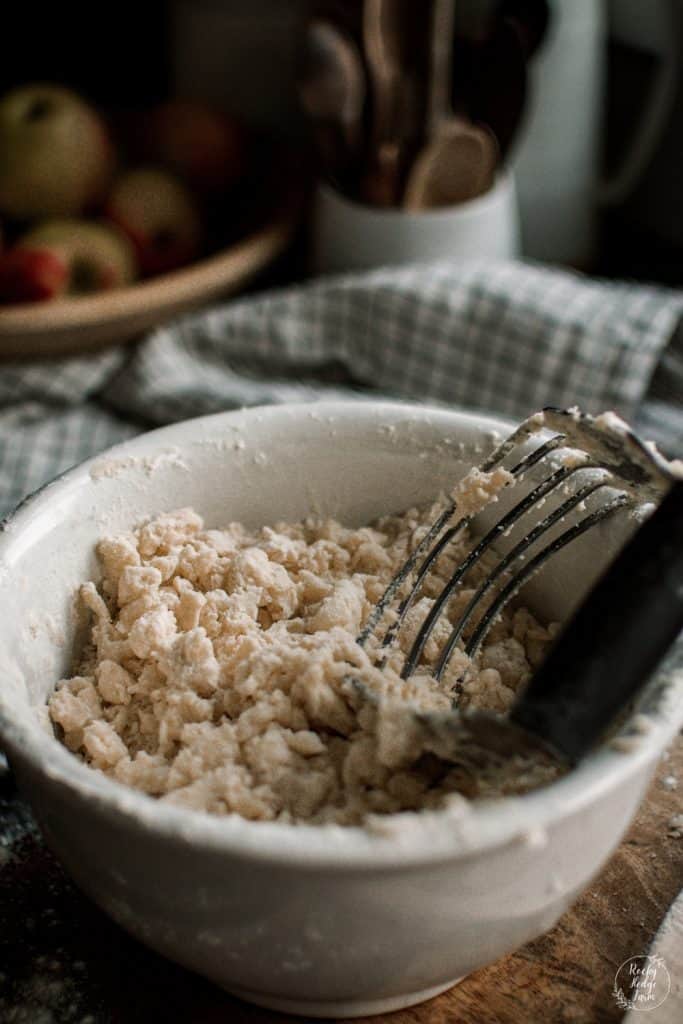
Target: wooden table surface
(64, 962)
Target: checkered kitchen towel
(507, 338)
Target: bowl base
(341, 1008)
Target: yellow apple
(56, 158)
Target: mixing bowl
(325, 921)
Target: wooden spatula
(458, 162)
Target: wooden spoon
(458, 165)
(394, 47)
(459, 161)
(332, 92)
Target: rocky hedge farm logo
(641, 983)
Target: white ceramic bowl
(322, 921)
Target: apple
(160, 216)
(56, 158)
(66, 257)
(203, 146)
(32, 275)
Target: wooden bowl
(79, 324)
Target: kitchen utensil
(312, 920)
(458, 165)
(609, 649)
(599, 664)
(459, 159)
(332, 92)
(392, 35)
(441, 68)
(594, 469)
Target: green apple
(160, 216)
(97, 256)
(56, 158)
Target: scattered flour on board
(675, 826)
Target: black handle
(615, 640)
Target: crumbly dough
(223, 665)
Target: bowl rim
(207, 273)
(395, 840)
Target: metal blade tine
(504, 524)
(403, 573)
(534, 564)
(406, 604)
(535, 456)
(514, 553)
(523, 432)
(529, 460)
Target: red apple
(56, 158)
(159, 215)
(32, 275)
(66, 257)
(204, 146)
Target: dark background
(118, 55)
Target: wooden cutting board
(64, 961)
(566, 976)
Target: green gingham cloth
(507, 338)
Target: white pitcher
(557, 161)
